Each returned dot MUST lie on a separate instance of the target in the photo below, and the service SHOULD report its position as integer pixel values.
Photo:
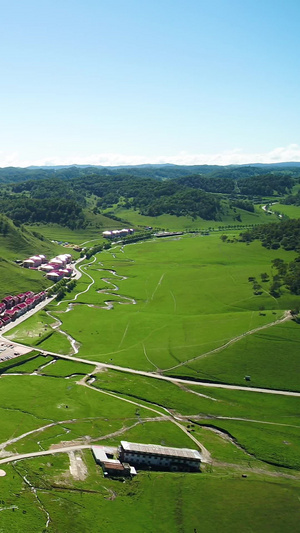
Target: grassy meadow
(173, 306)
(174, 223)
(291, 211)
(167, 304)
(140, 505)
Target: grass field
(16, 245)
(141, 504)
(292, 211)
(270, 358)
(172, 301)
(56, 232)
(156, 305)
(173, 223)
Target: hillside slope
(17, 244)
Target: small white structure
(47, 268)
(37, 260)
(28, 263)
(117, 233)
(104, 456)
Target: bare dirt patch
(78, 468)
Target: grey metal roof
(156, 449)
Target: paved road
(159, 376)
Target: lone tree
(224, 238)
(264, 276)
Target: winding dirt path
(287, 316)
(206, 457)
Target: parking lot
(10, 351)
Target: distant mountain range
(272, 166)
(160, 172)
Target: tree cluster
(265, 185)
(288, 275)
(49, 210)
(285, 234)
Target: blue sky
(125, 82)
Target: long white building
(159, 456)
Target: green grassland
(274, 415)
(53, 400)
(97, 224)
(274, 444)
(291, 211)
(15, 279)
(34, 362)
(140, 505)
(174, 223)
(210, 401)
(270, 357)
(18, 244)
(64, 368)
(191, 296)
(37, 331)
(170, 300)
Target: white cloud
(230, 157)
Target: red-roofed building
(55, 275)
(30, 303)
(29, 294)
(11, 313)
(20, 309)
(8, 301)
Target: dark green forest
(61, 195)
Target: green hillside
(17, 244)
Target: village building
(47, 268)
(28, 263)
(161, 457)
(29, 294)
(117, 233)
(104, 456)
(55, 275)
(37, 260)
(8, 301)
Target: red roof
(10, 312)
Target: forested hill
(64, 198)
(160, 172)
